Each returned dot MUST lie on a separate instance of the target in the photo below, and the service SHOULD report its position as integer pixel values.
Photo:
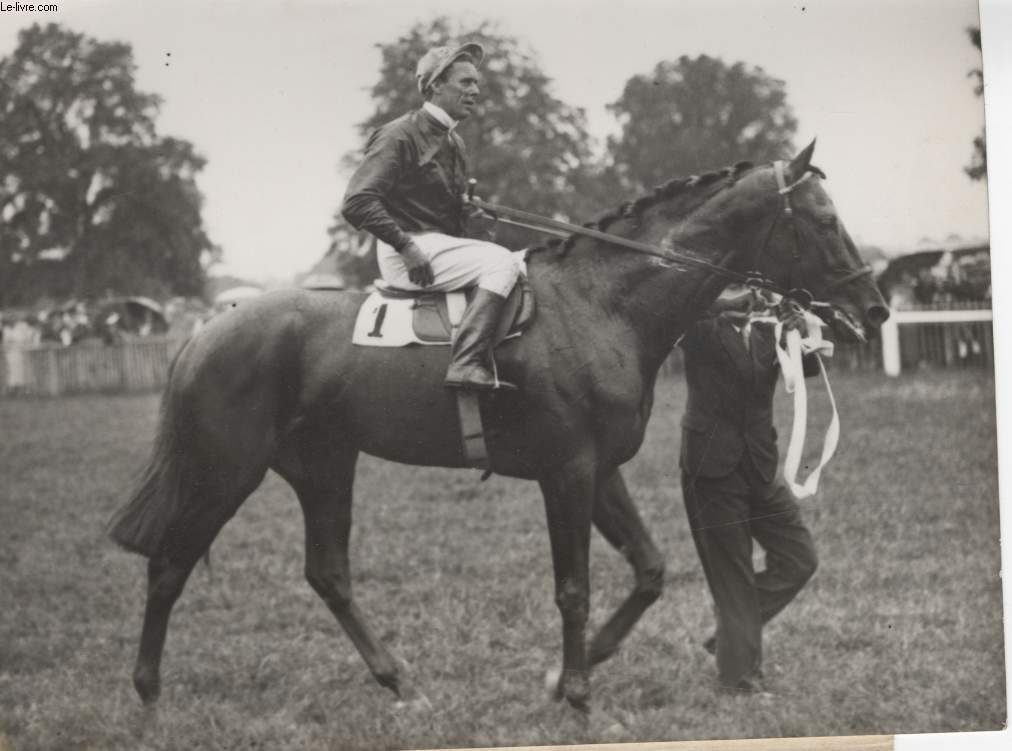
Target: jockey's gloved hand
(419, 269)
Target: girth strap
(471, 431)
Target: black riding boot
(472, 349)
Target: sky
(271, 91)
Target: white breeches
(457, 262)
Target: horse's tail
(163, 490)
(217, 431)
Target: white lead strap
(791, 366)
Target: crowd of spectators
(950, 281)
(108, 321)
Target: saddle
(392, 317)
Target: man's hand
(419, 269)
(793, 318)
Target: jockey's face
(457, 90)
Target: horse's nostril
(877, 314)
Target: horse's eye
(828, 224)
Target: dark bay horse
(277, 384)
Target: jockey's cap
(438, 59)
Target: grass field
(899, 631)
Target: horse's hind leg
(617, 519)
(166, 579)
(324, 488)
(167, 575)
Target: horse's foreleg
(327, 511)
(569, 498)
(617, 520)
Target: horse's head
(789, 232)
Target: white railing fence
(55, 370)
(939, 337)
(953, 335)
(910, 339)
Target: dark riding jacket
(413, 179)
(729, 410)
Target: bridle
(784, 190)
(755, 280)
(801, 295)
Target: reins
(558, 228)
(753, 279)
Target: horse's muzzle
(876, 314)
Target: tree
(351, 255)
(526, 148)
(978, 162)
(692, 115)
(92, 199)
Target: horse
(277, 384)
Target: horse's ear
(799, 164)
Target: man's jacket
(729, 411)
(413, 179)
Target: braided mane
(675, 188)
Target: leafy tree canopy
(977, 170)
(695, 114)
(92, 198)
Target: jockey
(409, 193)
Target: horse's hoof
(391, 681)
(148, 688)
(410, 699)
(575, 687)
(418, 703)
(580, 704)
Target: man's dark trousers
(725, 515)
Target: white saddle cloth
(387, 321)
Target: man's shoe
(749, 685)
(746, 686)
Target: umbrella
(145, 302)
(236, 294)
(323, 281)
